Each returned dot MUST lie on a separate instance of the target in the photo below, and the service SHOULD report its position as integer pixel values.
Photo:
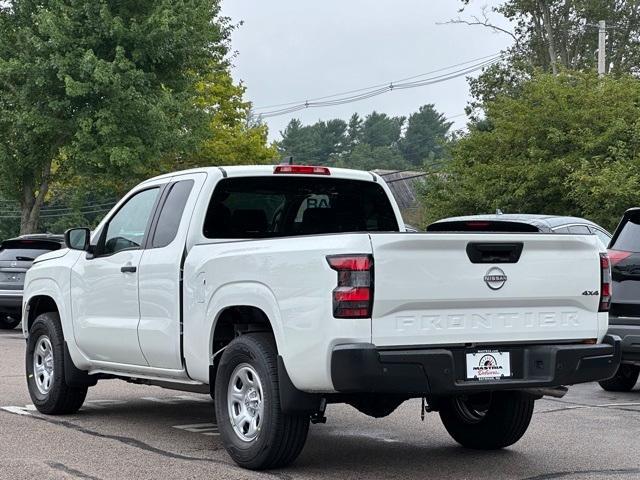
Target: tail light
(616, 256)
(605, 283)
(353, 297)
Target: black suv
(624, 316)
(16, 256)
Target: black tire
(281, 437)
(487, 421)
(624, 380)
(59, 398)
(9, 321)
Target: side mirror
(78, 238)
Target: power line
(86, 206)
(57, 215)
(264, 107)
(379, 91)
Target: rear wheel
(46, 369)
(487, 421)
(624, 380)
(254, 430)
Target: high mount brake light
(605, 283)
(478, 224)
(353, 297)
(302, 170)
(616, 256)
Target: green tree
(314, 144)
(367, 157)
(375, 141)
(232, 137)
(380, 130)
(354, 132)
(568, 145)
(426, 136)
(558, 35)
(100, 88)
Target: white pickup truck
(280, 289)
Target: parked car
(280, 289)
(16, 256)
(624, 317)
(520, 222)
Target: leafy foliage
(559, 35)
(110, 91)
(568, 144)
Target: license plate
(488, 365)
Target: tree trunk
(546, 18)
(623, 39)
(32, 201)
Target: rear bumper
(11, 299)
(361, 368)
(628, 329)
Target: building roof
(404, 186)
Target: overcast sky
(290, 50)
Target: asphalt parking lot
(127, 431)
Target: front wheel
(624, 380)
(46, 369)
(254, 430)
(487, 421)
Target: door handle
(128, 269)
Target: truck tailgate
(429, 292)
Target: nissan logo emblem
(495, 278)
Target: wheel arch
(246, 303)
(45, 295)
(240, 308)
(37, 305)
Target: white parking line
(16, 410)
(210, 429)
(99, 404)
(176, 399)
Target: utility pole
(602, 47)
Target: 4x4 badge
(591, 293)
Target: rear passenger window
(629, 237)
(171, 214)
(264, 207)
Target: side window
(172, 210)
(579, 229)
(127, 227)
